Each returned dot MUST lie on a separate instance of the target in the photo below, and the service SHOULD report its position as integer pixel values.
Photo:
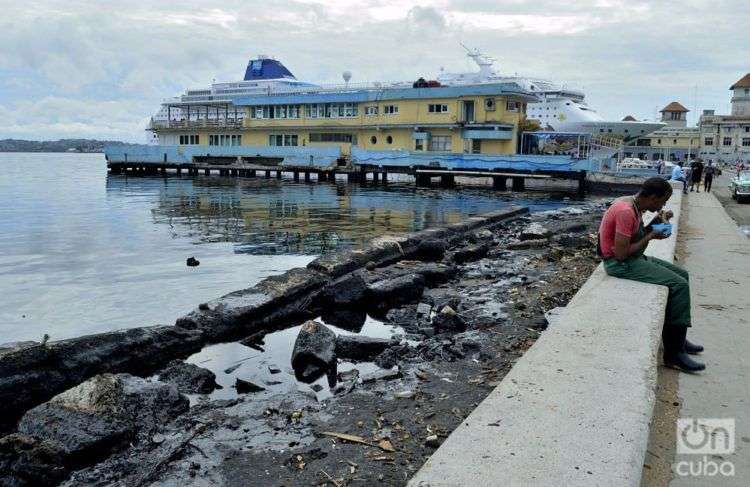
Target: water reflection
(269, 216)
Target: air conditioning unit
(489, 104)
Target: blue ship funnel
(264, 68)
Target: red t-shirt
(620, 218)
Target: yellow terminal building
(468, 119)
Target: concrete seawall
(576, 409)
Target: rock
(371, 266)
(274, 369)
(442, 297)
(193, 262)
(484, 234)
(427, 331)
(29, 462)
(571, 241)
(347, 290)
(404, 395)
(528, 244)
(11, 347)
(314, 351)
(448, 321)
(430, 250)
(272, 382)
(394, 373)
(30, 376)
(350, 319)
(254, 340)
(189, 378)
(388, 359)
(356, 347)
(470, 253)
(432, 441)
(244, 386)
(89, 421)
(348, 375)
(535, 231)
(402, 289)
(403, 315)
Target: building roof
(743, 82)
(385, 94)
(629, 118)
(675, 106)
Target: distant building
(726, 138)
(629, 118)
(675, 142)
(674, 115)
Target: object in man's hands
(663, 228)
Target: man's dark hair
(656, 187)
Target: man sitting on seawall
(622, 242)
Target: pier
(353, 173)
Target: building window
(389, 140)
(189, 140)
(658, 141)
(231, 140)
(745, 142)
(419, 144)
(642, 155)
(747, 129)
(512, 106)
(390, 109)
(371, 111)
(674, 141)
(675, 116)
(282, 140)
(373, 140)
(437, 108)
(439, 143)
(708, 141)
(727, 141)
(332, 137)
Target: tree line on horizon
(62, 145)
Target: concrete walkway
(717, 255)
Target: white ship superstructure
(560, 109)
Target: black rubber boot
(674, 350)
(692, 348)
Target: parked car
(740, 186)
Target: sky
(99, 69)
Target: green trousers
(657, 271)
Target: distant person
(659, 166)
(708, 177)
(622, 242)
(695, 177)
(679, 175)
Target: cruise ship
(559, 109)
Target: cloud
(103, 68)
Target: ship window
(371, 110)
(437, 108)
(512, 106)
(419, 144)
(674, 141)
(389, 139)
(373, 140)
(390, 109)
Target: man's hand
(657, 235)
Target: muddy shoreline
(498, 278)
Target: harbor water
(82, 251)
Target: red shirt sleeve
(625, 222)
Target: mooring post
(384, 177)
(375, 176)
(582, 183)
(307, 177)
(296, 176)
(500, 183)
(268, 174)
(207, 172)
(447, 180)
(423, 180)
(518, 184)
